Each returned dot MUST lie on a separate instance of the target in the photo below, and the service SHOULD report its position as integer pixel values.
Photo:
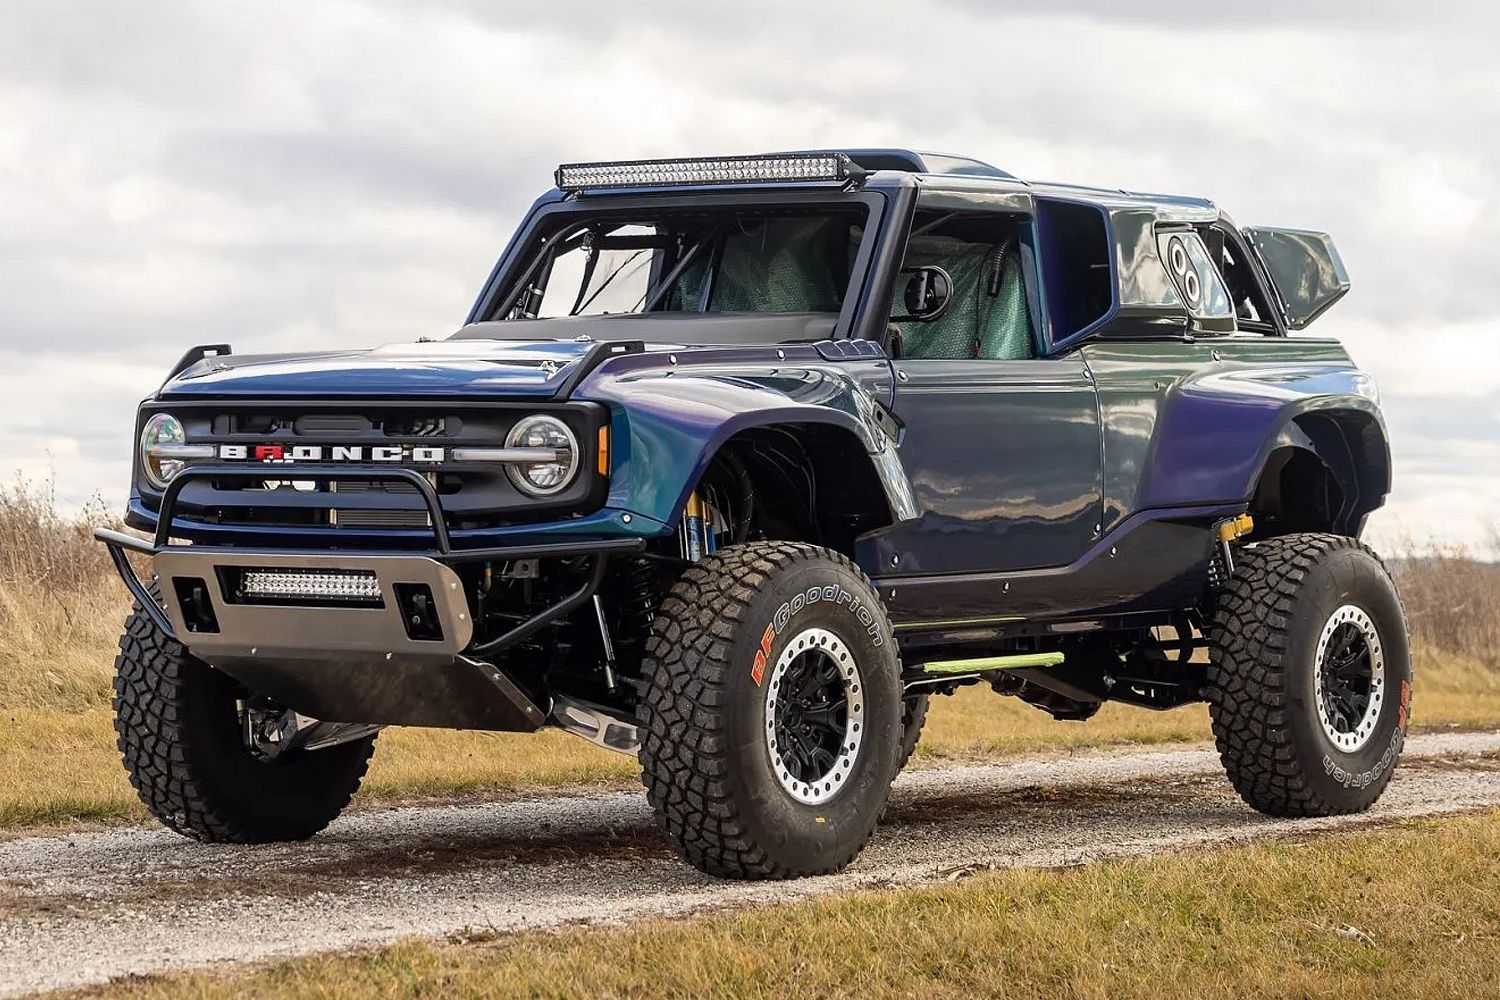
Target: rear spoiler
(1306, 273)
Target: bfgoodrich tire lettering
(178, 730)
(1264, 692)
(705, 749)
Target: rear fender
(1218, 430)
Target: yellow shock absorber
(692, 528)
(1228, 531)
(1236, 527)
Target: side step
(1027, 676)
(947, 672)
(598, 724)
(1015, 661)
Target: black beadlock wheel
(1309, 678)
(772, 714)
(180, 733)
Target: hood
(515, 367)
(487, 358)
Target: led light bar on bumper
(355, 586)
(709, 170)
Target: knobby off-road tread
(683, 755)
(150, 691)
(1248, 672)
(913, 718)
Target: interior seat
(976, 323)
(783, 265)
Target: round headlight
(162, 432)
(543, 478)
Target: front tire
(772, 715)
(179, 731)
(1309, 677)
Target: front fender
(1218, 428)
(670, 418)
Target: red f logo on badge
(758, 669)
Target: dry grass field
(61, 608)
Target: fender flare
(1347, 435)
(668, 429)
(900, 498)
(1217, 428)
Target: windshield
(706, 261)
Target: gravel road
(83, 908)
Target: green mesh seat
(976, 325)
(783, 265)
(1006, 333)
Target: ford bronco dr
(735, 463)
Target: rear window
(1077, 276)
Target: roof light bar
(709, 170)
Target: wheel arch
(670, 425)
(1326, 469)
(830, 486)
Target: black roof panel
(915, 162)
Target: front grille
(378, 518)
(474, 494)
(340, 425)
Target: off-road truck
(734, 464)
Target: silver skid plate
(271, 629)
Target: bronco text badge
(331, 453)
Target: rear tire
(1309, 677)
(913, 718)
(179, 732)
(772, 715)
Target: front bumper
(352, 662)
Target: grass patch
(1413, 912)
(60, 768)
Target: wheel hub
(814, 715)
(1349, 679)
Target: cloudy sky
(281, 175)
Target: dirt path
(81, 909)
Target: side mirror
(929, 291)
